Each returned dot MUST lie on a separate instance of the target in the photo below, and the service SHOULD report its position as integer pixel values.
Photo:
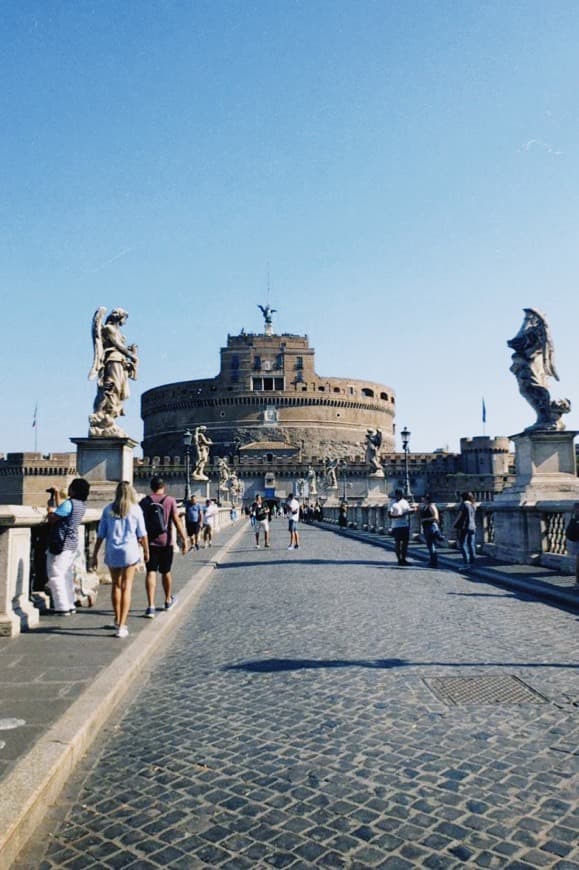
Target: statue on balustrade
(114, 364)
(330, 479)
(533, 364)
(224, 472)
(373, 444)
(312, 481)
(201, 445)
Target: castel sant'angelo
(268, 394)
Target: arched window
(366, 391)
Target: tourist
(465, 526)
(293, 514)
(399, 513)
(261, 515)
(430, 519)
(193, 520)
(343, 516)
(64, 518)
(210, 512)
(572, 538)
(161, 515)
(122, 527)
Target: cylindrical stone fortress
(268, 390)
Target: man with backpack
(161, 514)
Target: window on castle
(267, 384)
(257, 363)
(384, 396)
(366, 391)
(299, 362)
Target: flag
(35, 418)
(484, 411)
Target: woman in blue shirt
(122, 527)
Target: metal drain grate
(484, 690)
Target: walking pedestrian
(64, 518)
(193, 520)
(122, 527)
(430, 519)
(210, 512)
(572, 538)
(399, 513)
(465, 525)
(161, 515)
(261, 514)
(293, 513)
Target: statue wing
(262, 309)
(97, 342)
(549, 354)
(378, 438)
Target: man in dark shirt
(161, 544)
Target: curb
(38, 778)
(567, 598)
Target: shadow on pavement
(269, 666)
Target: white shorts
(263, 524)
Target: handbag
(57, 537)
(572, 530)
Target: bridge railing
(23, 544)
(543, 525)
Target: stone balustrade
(23, 538)
(540, 526)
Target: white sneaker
(257, 547)
(122, 631)
(290, 547)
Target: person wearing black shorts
(160, 533)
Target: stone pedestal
(545, 468)
(545, 472)
(376, 490)
(104, 462)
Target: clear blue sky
(409, 171)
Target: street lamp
(344, 469)
(405, 435)
(187, 442)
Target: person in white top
(293, 514)
(210, 512)
(399, 513)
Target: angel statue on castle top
(114, 364)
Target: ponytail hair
(125, 498)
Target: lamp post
(405, 435)
(344, 469)
(187, 442)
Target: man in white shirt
(293, 514)
(210, 512)
(399, 513)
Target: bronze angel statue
(114, 364)
(533, 363)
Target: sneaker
(150, 613)
(297, 546)
(267, 546)
(196, 546)
(171, 602)
(257, 547)
(290, 547)
(122, 631)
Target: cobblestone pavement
(301, 718)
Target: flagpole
(35, 427)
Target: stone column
(104, 462)
(16, 610)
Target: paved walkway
(325, 708)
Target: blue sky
(407, 173)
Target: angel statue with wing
(114, 363)
(373, 445)
(533, 363)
